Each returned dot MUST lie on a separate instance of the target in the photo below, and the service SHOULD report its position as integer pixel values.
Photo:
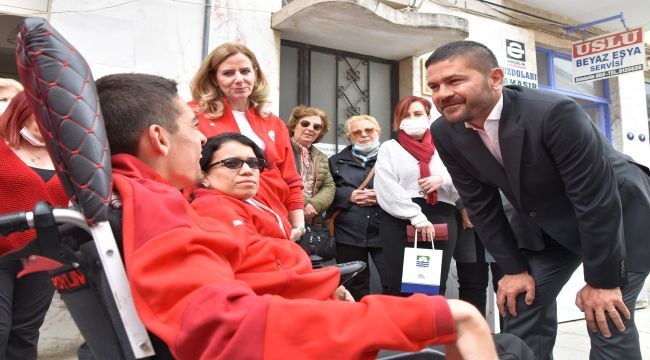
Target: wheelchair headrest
(61, 90)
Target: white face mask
(30, 138)
(415, 126)
(3, 106)
(366, 149)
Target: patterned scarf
(307, 169)
(365, 158)
(423, 151)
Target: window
(340, 83)
(554, 74)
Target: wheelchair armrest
(436, 353)
(350, 270)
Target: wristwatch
(299, 227)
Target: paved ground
(60, 338)
(59, 335)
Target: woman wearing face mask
(26, 176)
(413, 187)
(357, 219)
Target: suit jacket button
(623, 269)
(532, 214)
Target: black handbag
(317, 241)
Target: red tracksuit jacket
(197, 283)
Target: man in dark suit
(576, 199)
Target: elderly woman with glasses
(308, 125)
(231, 164)
(355, 212)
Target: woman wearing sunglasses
(308, 125)
(231, 165)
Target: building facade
(345, 56)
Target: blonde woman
(230, 94)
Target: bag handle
(415, 240)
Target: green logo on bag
(422, 261)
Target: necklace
(35, 159)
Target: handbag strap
(367, 179)
(336, 212)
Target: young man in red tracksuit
(185, 270)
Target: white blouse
(396, 182)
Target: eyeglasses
(235, 163)
(368, 131)
(305, 124)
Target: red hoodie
(191, 279)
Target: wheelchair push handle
(16, 221)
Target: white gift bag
(421, 270)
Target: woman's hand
(343, 294)
(364, 197)
(295, 235)
(310, 212)
(430, 184)
(426, 231)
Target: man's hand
(473, 338)
(597, 304)
(467, 223)
(512, 285)
(343, 294)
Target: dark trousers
(537, 324)
(392, 232)
(473, 282)
(23, 305)
(473, 277)
(359, 285)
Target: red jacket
(280, 184)
(212, 203)
(20, 189)
(190, 281)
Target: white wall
(161, 37)
(249, 22)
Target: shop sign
(608, 55)
(516, 69)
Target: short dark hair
(216, 142)
(480, 56)
(132, 102)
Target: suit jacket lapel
(471, 145)
(511, 140)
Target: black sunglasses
(235, 163)
(305, 124)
